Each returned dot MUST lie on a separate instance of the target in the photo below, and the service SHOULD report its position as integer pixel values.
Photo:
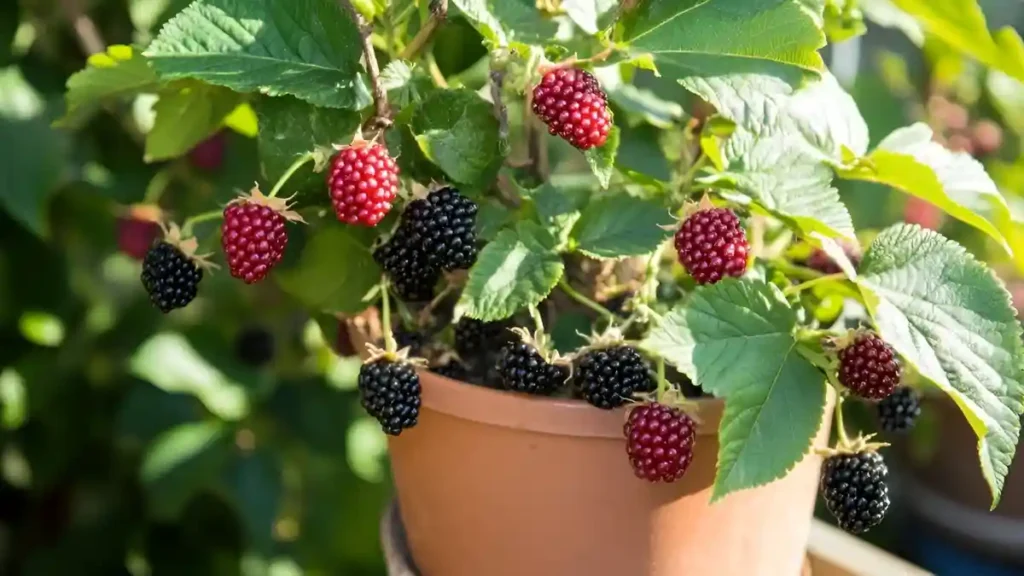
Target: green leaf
(309, 49)
(517, 269)
(289, 128)
(646, 103)
(334, 273)
(886, 14)
(693, 38)
(588, 14)
(252, 481)
(961, 24)
(1008, 97)
(186, 114)
(182, 462)
(602, 159)
(735, 339)
(501, 23)
(910, 161)
(457, 131)
(120, 71)
(621, 225)
(492, 217)
(949, 317)
(558, 208)
(402, 83)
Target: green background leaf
(620, 225)
(334, 273)
(951, 319)
(457, 131)
(186, 114)
(309, 49)
(735, 340)
(120, 71)
(517, 269)
(507, 21)
(602, 159)
(182, 462)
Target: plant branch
(500, 110)
(572, 293)
(86, 32)
(385, 318)
(382, 117)
(796, 288)
(186, 228)
(438, 14)
(844, 440)
(289, 173)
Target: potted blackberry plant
(611, 302)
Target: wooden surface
(830, 552)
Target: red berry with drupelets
(868, 367)
(712, 244)
(254, 235)
(659, 442)
(363, 183)
(572, 104)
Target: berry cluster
(572, 104)
(898, 412)
(609, 377)
(955, 130)
(135, 236)
(363, 183)
(435, 233)
(854, 489)
(868, 367)
(170, 277)
(390, 393)
(712, 244)
(523, 369)
(659, 442)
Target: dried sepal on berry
(860, 443)
(375, 353)
(282, 206)
(188, 245)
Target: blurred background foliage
(134, 443)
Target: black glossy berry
(406, 266)
(170, 277)
(390, 393)
(255, 346)
(475, 336)
(444, 225)
(410, 339)
(898, 411)
(452, 369)
(608, 377)
(854, 489)
(523, 369)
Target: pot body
(503, 484)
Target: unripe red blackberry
(444, 224)
(659, 442)
(898, 411)
(452, 369)
(572, 104)
(390, 393)
(987, 136)
(253, 234)
(819, 260)
(135, 236)
(523, 369)
(410, 339)
(854, 489)
(412, 276)
(170, 277)
(608, 377)
(712, 244)
(363, 183)
(209, 154)
(868, 367)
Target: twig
(86, 32)
(438, 14)
(537, 144)
(382, 116)
(500, 110)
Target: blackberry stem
(798, 272)
(844, 440)
(662, 382)
(155, 189)
(797, 288)
(572, 293)
(186, 228)
(289, 173)
(385, 318)
(438, 14)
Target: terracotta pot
(500, 484)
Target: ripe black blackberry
(898, 411)
(390, 393)
(255, 346)
(474, 336)
(854, 489)
(406, 266)
(444, 225)
(170, 277)
(608, 377)
(523, 369)
(411, 339)
(452, 369)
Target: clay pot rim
(558, 416)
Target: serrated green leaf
(557, 208)
(334, 273)
(400, 81)
(961, 24)
(186, 114)
(491, 218)
(691, 38)
(507, 21)
(309, 49)
(621, 225)
(910, 161)
(120, 71)
(886, 14)
(181, 463)
(519, 268)
(289, 128)
(589, 14)
(735, 339)
(602, 159)
(457, 131)
(949, 317)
